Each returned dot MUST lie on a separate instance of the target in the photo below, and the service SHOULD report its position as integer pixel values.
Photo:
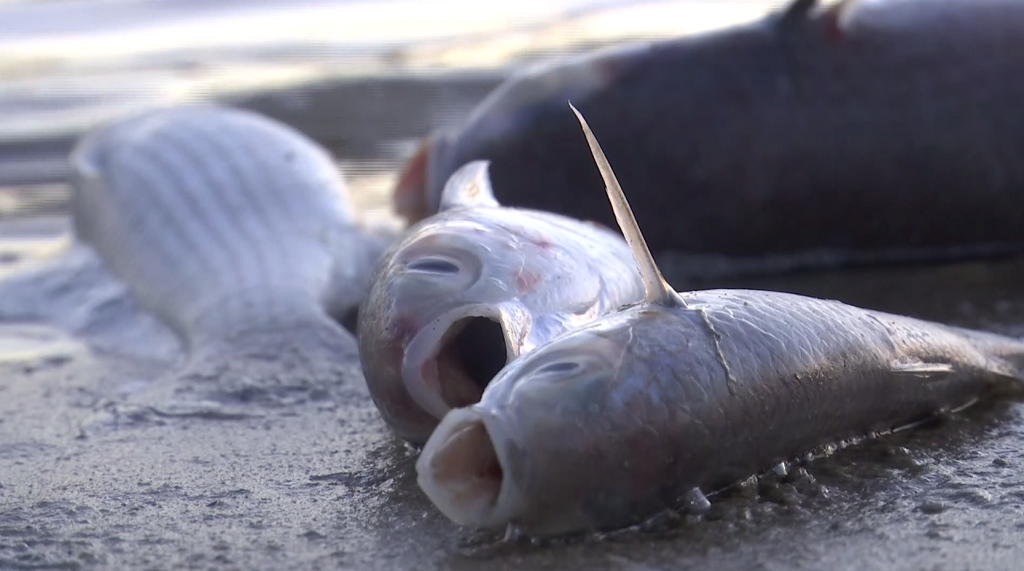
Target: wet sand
(92, 479)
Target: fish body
(233, 229)
(615, 421)
(858, 132)
(620, 419)
(474, 287)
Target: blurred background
(366, 78)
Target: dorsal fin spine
(657, 290)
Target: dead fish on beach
(474, 287)
(851, 133)
(625, 417)
(237, 232)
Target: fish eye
(433, 266)
(559, 367)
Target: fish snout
(479, 468)
(464, 470)
(452, 359)
(423, 346)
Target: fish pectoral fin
(920, 368)
(469, 186)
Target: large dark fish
(864, 131)
(622, 418)
(473, 288)
(236, 231)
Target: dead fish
(631, 414)
(854, 133)
(474, 287)
(233, 229)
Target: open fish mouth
(450, 362)
(462, 469)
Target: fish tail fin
(218, 220)
(235, 230)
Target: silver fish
(232, 228)
(637, 411)
(474, 287)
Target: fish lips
(436, 370)
(475, 469)
(463, 469)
